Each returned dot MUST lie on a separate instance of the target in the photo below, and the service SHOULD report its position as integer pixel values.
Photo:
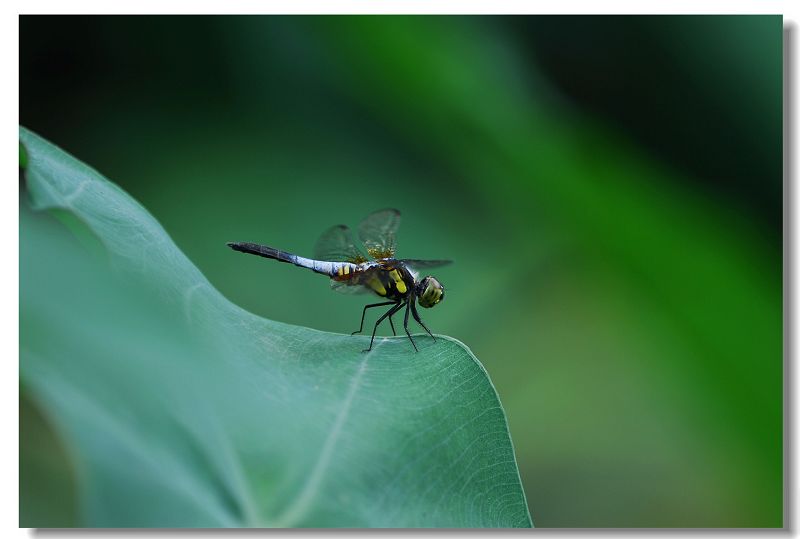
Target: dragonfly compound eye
(431, 292)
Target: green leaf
(177, 408)
(23, 156)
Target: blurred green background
(610, 188)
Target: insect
(350, 271)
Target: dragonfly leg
(390, 312)
(420, 322)
(405, 325)
(364, 313)
(392, 324)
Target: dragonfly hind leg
(364, 313)
(405, 325)
(390, 312)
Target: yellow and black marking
(389, 282)
(376, 284)
(345, 271)
(397, 281)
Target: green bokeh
(610, 189)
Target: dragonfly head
(429, 292)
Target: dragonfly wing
(425, 264)
(336, 245)
(378, 231)
(348, 288)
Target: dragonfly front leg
(390, 312)
(364, 313)
(405, 324)
(420, 322)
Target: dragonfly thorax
(429, 292)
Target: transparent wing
(348, 288)
(425, 264)
(336, 244)
(378, 230)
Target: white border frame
(9, 226)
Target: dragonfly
(350, 271)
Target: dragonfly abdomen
(343, 271)
(319, 266)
